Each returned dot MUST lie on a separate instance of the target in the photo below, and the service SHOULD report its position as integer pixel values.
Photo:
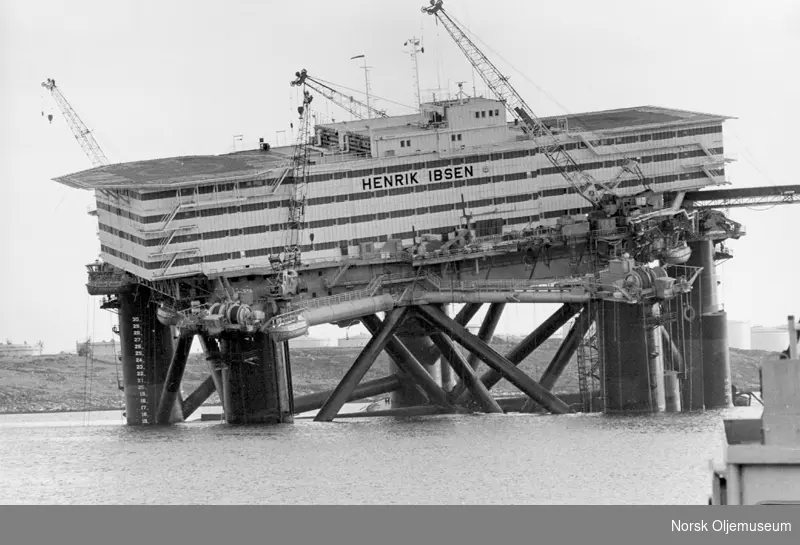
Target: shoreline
(62, 383)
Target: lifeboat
(289, 330)
(677, 255)
(167, 315)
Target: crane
(297, 202)
(79, 130)
(337, 97)
(600, 195)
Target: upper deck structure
(456, 163)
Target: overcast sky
(159, 79)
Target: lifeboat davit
(677, 255)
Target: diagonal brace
(466, 373)
(505, 368)
(362, 364)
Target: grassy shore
(66, 382)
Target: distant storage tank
(739, 334)
(773, 339)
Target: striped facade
(233, 226)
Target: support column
(254, 380)
(624, 357)
(145, 345)
(656, 364)
(715, 352)
(672, 392)
(690, 325)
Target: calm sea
(476, 459)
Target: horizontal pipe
(419, 410)
(348, 310)
(500, 297)
(312, 402)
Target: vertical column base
(717, 390)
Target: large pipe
(312, 402)
(433, 297)
(348, 310)
(466, 373)
(467, 313)
(530, 343)
(408, 364)
(494, 360)
(198, 397)
(672, 392)
(360, 367)
(677, 359)
(656, 364)
(172, 383)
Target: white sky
(159, 79)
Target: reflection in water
(472, 459)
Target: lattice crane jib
(345, 101)
(79, 130)
(297, 202)
(597, 193)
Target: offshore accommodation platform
(405, 215)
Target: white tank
(773, 339)
(739, 334)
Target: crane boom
(553, 149)
(297, 202)
(337, 97)
(79, 130)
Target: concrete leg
(494, 360)
(360, 367)
(146, 351)
(253, 393)
(624, 357)
(717, 391)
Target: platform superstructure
(393, 178)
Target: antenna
(415, 48)
(366, 80)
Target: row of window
(208, 212)
(193, 260)
(671, 178)
(482, 113)
(663, 135)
